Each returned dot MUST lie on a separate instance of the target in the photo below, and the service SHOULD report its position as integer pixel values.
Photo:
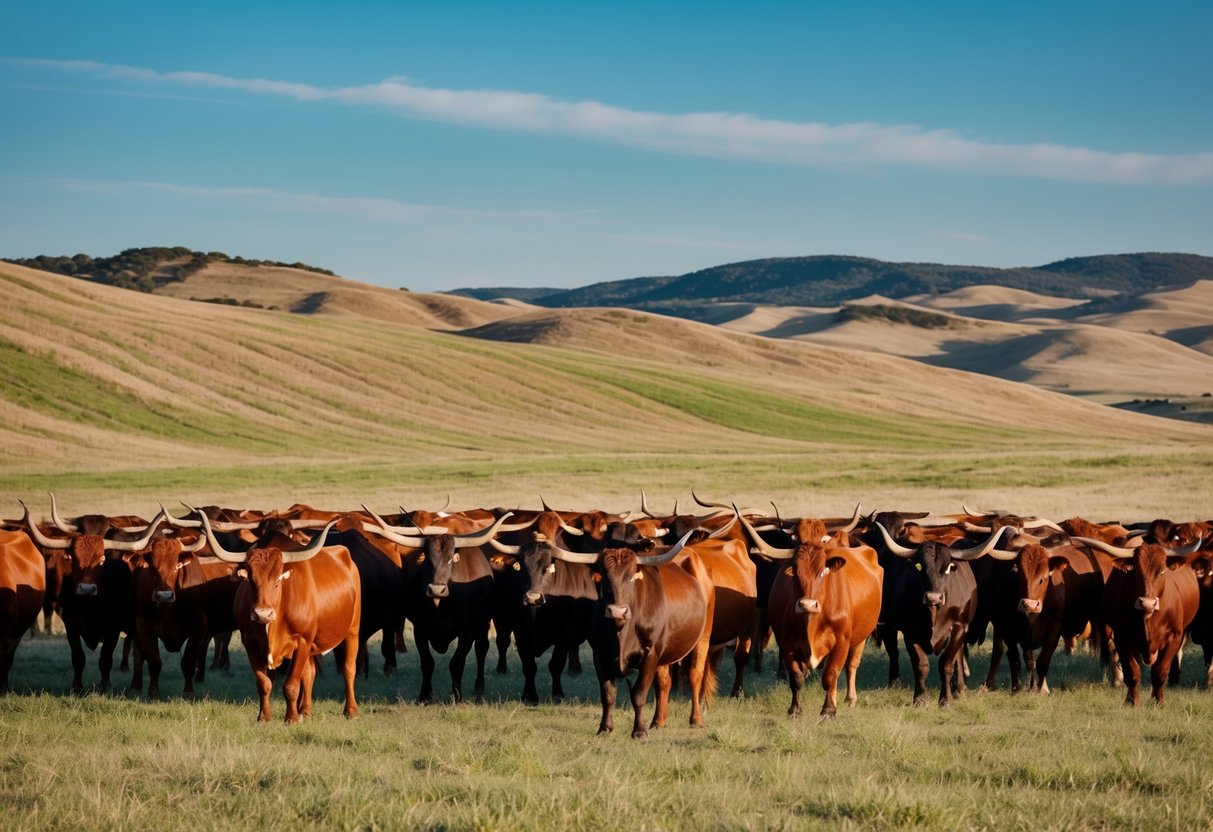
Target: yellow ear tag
(788, 571)
(421, 558)
(551, 567)
(918, 566)
(639, 576)
(517, 566)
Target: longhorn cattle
(548, 594)
(650, 613)
(95, 593)
(1149, 601)
(290, 607)
(823, 606)
(932, 605)
(448, 586)
(182, 601)
(22, 588)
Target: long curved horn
(664, 557)
(1002, 554)
(644, 505)
(39, 538)
(467, 541)
(135, 545)
(389, 532)
(1114, 551)
(196, 546)
(778, 519)
(61, 524)
(218, 525)
(544, 503)
(1039, 522)
(504, 548)
(565, 527)
(1184, 551)
(313, 548)
(975, 552)
(854, 520)
(893, 546)
(216, 547)
(761, 545)
(572, 557)
(180, 522)
(973, 512)
(723, 530)
(442, 511)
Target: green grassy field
(1077, 759)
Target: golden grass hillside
(116, 399)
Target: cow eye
(455, 558)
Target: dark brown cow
(22, 588)
(823, 607)
(650, 614)
(183, 601)
(1150, 601)
(95, 603)
(292, 606)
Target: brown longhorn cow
(22, 588)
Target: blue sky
(434, 146)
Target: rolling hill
(112, 395)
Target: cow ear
(1058, 562)
(1123, 564)
(1176, 561)
(834, 564)
(1200, 565)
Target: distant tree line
(898, 315)
(146, 269)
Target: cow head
(809, 568)
(538, 564)
(440, 558)
(88, 552)
(164, 560)
(617, 590)
(1149, 565)
(1034, 569)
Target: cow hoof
(530, 702)
(352, 713)
(605, 729)
(920, 702)
(794, 713)
(639, 734)
(825, 715)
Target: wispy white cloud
(373, 208)
(719, 135)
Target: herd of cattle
(662, 596)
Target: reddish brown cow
(22, 588)
(183, 601)
(823, 607)
(292, 606)
(1149, 601)
(650, 614)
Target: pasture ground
(1076, 759)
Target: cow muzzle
(86, 589)
(533, 599)
(618, 612)
(933, 599)
(165, 596)
(1147, 604)
(263, 615)
(437, 592)
(808, 605)
(1029, 606)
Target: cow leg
(920, 665)
(362, 664)
(853, 659)
(149, 651)
(575, 661)
(1043, 660)
(1016, 668)
(458, 659)
(223, 644)
(293, 684)
(1132, 676)
(640, 694)
(740, 656)
(502, 640)
(829, 678)
(73, 643)
(305, 689)
(997, 648)
(888, 636)
(348, 672)
(758, 637)
(606, 692)
(127, 644)
(1162, 668)
(265, 686)
(482, 652)
(661, 708)
(560, 655)
(387, 649)
(795, 682)
(426, 659)
(105, 658)
(530, 693)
